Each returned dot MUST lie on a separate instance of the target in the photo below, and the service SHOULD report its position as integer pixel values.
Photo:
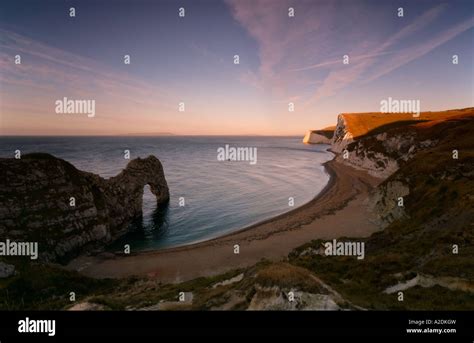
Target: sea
(209, 197)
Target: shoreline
(335, 212)
(329, 184)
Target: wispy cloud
(47, 74)
(309, 48)
(338, 61)
(422, 49)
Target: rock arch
(131, 181)
(35, 202)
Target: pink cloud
(47, 74)
(308, 49)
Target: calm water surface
(220, 197)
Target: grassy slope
(360, 124)
(441, 213)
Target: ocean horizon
(208, 198)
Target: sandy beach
(337, 211)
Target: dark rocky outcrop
(35, 202)
(6, 270)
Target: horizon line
(150, 135)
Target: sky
(190, 60)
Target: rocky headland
(47, 200)
(323, 136)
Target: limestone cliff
(380, 143)
(323, 136)
(36, 202)
(342, 135)
(444, 143)
(383, 144)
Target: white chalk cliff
(323, 136)
(342, 136)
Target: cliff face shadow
(150, 227)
